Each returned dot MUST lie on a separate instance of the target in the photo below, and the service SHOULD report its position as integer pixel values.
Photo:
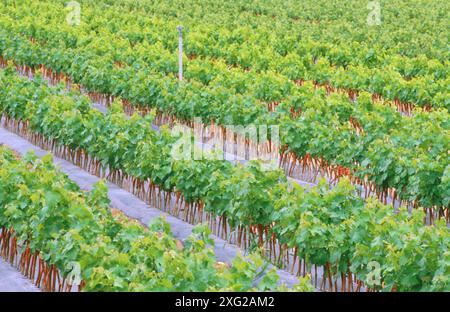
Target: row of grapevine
(53, 231)
(335, 229)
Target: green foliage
(408, 154)
(67, 225)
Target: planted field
(313, 138)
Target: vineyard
(311, 143)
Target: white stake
(180, 52)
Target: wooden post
(180, 53)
